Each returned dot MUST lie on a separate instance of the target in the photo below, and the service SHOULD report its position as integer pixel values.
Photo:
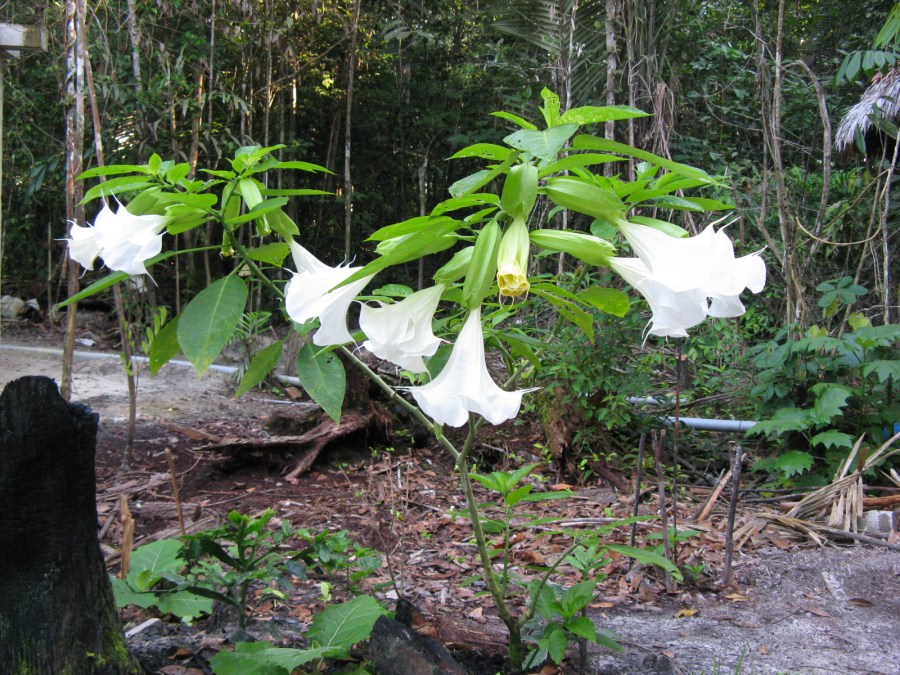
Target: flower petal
(673, 312)
(123, 240)
(308, 295)
(401, 333)
(465, 385)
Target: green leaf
(116, 186)
(96, 287)
(209, 320)
(783, 420)
(204, 201)
(598, 114)
(586, 247)
(322, 376)
(518, 494)
(555, 642)
(125, 595)
(432, 240)
(164, 346)
(273, 253)
(586, 142)
(610, 300)
(832, 438)
(793, 462)
(113, 170)
(577, 598)
(583, 627)
(302, 166)
(884, 369)
(515, 119)
(185, 605)
(561, 301)
(263, 363)
(830, 400)
(298, 192)
(258, 211)
(156, 560)
(647, 558)
(261, 658)
(577, 161)
(484, 151)
(341, 626)
(546, 144)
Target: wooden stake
(735, 451)
(127, 535)
(175, 492)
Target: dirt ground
(793, 607)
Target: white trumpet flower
(401, 333)
(465, 386)
(309, 295)
(687, 279)
(122, 240)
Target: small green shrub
(818, 393)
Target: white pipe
(88, 356)
(699, 423)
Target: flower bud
(512, 260)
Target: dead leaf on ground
(737, 597)
(861, 602)
(686, 613)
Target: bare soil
(792, 608)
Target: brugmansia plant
(492, 227)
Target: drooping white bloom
(680, 276)
(401, 333)
(465, 385)
(122, 240)
(309, 295)
(673, 312)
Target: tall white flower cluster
(683, 279)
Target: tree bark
(57, 613)
(348, 183)
(74, 151)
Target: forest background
(382, 93)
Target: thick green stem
(513, 624)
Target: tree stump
(57, 612)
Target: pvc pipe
(699, 423)
(711, 424)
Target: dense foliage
(197, 79)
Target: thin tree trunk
(74, 153)
(771, 101)
(348, 183)
(135, 37)
(122, 318)
(611, 64)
